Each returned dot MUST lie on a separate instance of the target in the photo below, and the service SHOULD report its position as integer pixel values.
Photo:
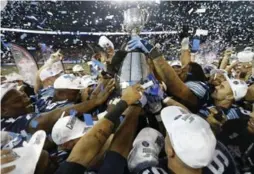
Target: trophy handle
(147, 15)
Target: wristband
(116, 112)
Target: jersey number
(220, 161)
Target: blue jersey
(13, 140)
(240, 143)
(43, 98)
(58, 104)
(201, 90)
(17, 125)
(223, 163)
(230, 113)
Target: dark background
(230, 22)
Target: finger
(111, 84)
(8, 158)
(7, 169)
(131, 42)
(130, 46)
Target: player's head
(190, 142)
(13, 102)
(229, 91)
(67, 87)
(217, 77)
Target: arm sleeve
(116, 112)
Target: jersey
(230, 113)
(43, 98)
(10, 140)
(201, 90)
(240, 143)
(223, 163)
(58, 104)
(18, 125)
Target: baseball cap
(6, 87)
(246, 56)
(28, 155)
(68, 128)
(238, 87)
(88, 80)
(191, 136)
(105, 43)
(146, 149)
(77, 68)
(68, 81)
(50, 71)
(176, 63)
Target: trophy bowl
(134, 20)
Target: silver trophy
(134, 67)
(134, 20)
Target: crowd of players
(77, 122)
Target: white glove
(185, 43)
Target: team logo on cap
(71, 122)
(145, 143)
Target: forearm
(47, 120)
(224, 62)
(127, 130)
(185, 57)
(89, 146)
(174, 84)
(91, 143)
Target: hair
(197, 72)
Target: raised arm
(127, 130)
(225, 59)
(47, 120)
(185, 56)
(91, 143)
(175, 85)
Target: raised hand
(132, 94)
(104, 92)
(137, 43)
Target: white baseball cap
(105, 43)
(68, 128)
(51, 71)
(68, 81)
(28, 154)
(246, 56)
(88, 80)
(190, 135)
(239, 87)
(146, 149)
(77, 68)
(6, 87)
(176, 63)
